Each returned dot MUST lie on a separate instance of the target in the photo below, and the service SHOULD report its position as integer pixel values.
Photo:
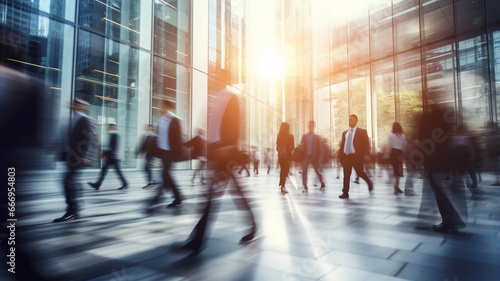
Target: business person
(223, 157)
(113, 155)
(312, 150)
(169, 144)
(354, 148)
(284, 145)
(148, 147)
(80, 151)
(397, 144)
(199, 152)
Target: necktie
(349, 141)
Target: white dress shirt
(351, 143)
(163, 126)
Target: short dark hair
(312, 121)
(355, 116)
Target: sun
(271, 64)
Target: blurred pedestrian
(169, 144)
(255, 159)
(79, 153)
(397, 145)
(312, 153)
(113, 155)
(268, 159)
(148, 148)
(284, 145)
(199, 152)
(223, 156)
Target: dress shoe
(249, 236)
(305, 189)
(323, 185)
(397, 190)
(356, 181)
(445, 228)
(283, 190)
(344, 196)
(94, 185)
(149, 186)
(67, 217)
(410, 193)
(175, 203)
(125, 186)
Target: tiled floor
(314, 236)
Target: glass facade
(390, 60)
(291, 61)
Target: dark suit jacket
(82, 142)
(175, 140)
(361, 145)
(114, 145)
(148, 146)
(199, 146)
(316, 146)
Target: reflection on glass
(409, 91)
(107, 76)
(171, 81)
(60, 8)
(384, 105)
(126, 20)
(172, 29)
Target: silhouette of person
(354, 148)
(433, 134)
(255, 159)
(169, 149)
(223, 129)
(397, 145)
(113, 155)
(80, 151)
(284, 145)
(199, 152)
(148, 147)
(269, 159)
(312, 153)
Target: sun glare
(271, 64)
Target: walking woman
(397, 145)
(284, 146)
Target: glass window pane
(359, 45)
(171, 81)
(58, 8)
(359, 94)
(437, 20)
(409, 91)
(340, 107)
(383, 101)
(381, 29)
(107, 76)
(172, 29)
(41, 48)
(126, 20)
(406, 24)
(439, 76)
(474, 83)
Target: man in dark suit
(113, 158)
(147, 147)
(199, 152)
(80, 152)
(312, 152)
(354, 148)
(169, 149)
